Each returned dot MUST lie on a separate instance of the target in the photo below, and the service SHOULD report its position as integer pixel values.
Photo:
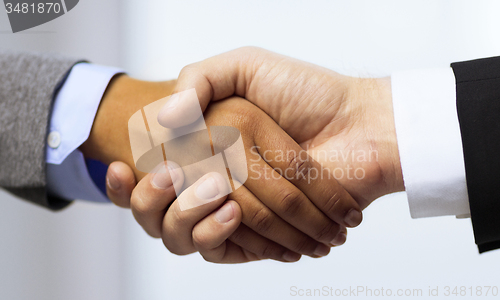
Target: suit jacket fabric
(478, 107)
(28, 83)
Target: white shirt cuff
(73, 114)
(429, 142)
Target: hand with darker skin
(271, 209)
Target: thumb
(213, 79)
(120, 181)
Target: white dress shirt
(73, 113)
(430, 143)
(427, 128)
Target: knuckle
(238, 236)
(331, 203)
(327, 232)
(201, 241)
(269, 251)
(291, 203)
(262, 220)
(243, 50)
(187, 68)
(248, 49)
(167, 232)
(139, 204)
(304, 246)
(179, 220)
(171, 230)
(174, 248)
(298, 167)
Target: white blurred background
(92, 251)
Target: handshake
(319, 148)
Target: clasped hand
(339, 128)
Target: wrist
(392, 167)
(372, 99)
(108, 140)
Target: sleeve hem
(429, 142)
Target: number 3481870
(34, 8)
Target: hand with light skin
(262, 219)
(330, 115)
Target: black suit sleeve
(478, 107)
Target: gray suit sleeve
(28, 83)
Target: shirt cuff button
(54, 139)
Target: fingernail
(225, 213)
(207, 189)
(291, 256)
(113, 182)
(161, 179)
(339, 239)
(322, 250)
(171, 104)
(353, 218)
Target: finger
(282, 153)
(194, 204)
(211, 233)
(234, 254)
(263, 221)
(288, 202)
(213, 79)
(341, 238)
(263, 248)
(153, 194)
(120, 181)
